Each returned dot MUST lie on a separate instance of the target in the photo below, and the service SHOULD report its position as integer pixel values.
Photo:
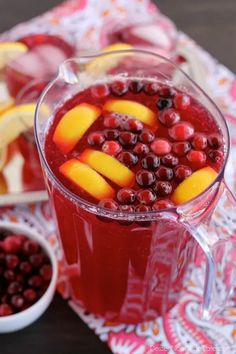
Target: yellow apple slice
(134, 109)
(108, 166)
(194, 185)
(73, 125)
(87, 179)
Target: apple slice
(194, 185)
(87, 179)
(134, 109)
(73, 125)
(108, 166)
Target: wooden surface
(211, 24)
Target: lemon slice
(105, 63)
(6, 101)
(10, 51)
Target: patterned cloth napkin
(86, 23)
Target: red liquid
(126, 272)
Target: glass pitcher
(131, 267)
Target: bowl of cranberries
(28, 275)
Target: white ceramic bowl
(26, 317)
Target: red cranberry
(128, 139)
(145, 178)
(100, 90)
(181, 131)
(146, 196)
(9, 275)
(46, 272)
(215, 141)
(170, 160)
(133, 125)
(182, 101)
(111, 134)
(96, 138)
(14, 288)
(111, 121)
(196, 158)
(181, 172)
(25, 267)
(127, 158)
(12, 244)
(141, 149)
(162, 188)
(142, 208)
(36, 260)
(12, 261)
(126, 196)
(30, 247)
(147, 136)
(119, 88)
(162, 204)
(150, 162)
(161, 146)
(165, 91)
(17, 301)
(5, 310)
(151, 88)
(35, 281)
(108, 204)
(199, 141)
(135, 86)
(19, 278)
(5, 299)
(30, 295)
(164, 173)
(169, 117)
(127, 208)
(181, 148)
(2, 259)
(111, 148)
(216, 155)
(163, 103)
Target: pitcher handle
(216, 235)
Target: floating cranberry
(127, 208)
(30, 247)
(181, 172)
(169, 117)
(181, 148)
(142, 208)
(170, 160)
(181, 131)
(145, 178)
(182, 101)
(25, 267)
(199, 141)
(14, 288)
(128, 139)
(126, 196)
(17, 301)
(12, 261)
(150, 162)
(111, 121)
(166, 91)
(216, 155)
(9, 275)
(146, 196)
(163, 103)
(161, 146)
(147, 136)
(100, 90)
(4, 299)
(111, 148)
(12, 244)
(5, 310)
(162, 204)
(196, 158)
(35, 281)
(141, 149)
(128, 158)
(133, 125)
(111, 134)
(135, 86)
(215, 141)
(108, 204)
(36, 260)
(164, 173)
(119, 88)
(46, 272)
(151, 88)
(30, 295)
(162, 188)
(95, 138)
(20, 278)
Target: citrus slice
(104, 63)
(194, 185)
(10, 51)
(6, 101)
